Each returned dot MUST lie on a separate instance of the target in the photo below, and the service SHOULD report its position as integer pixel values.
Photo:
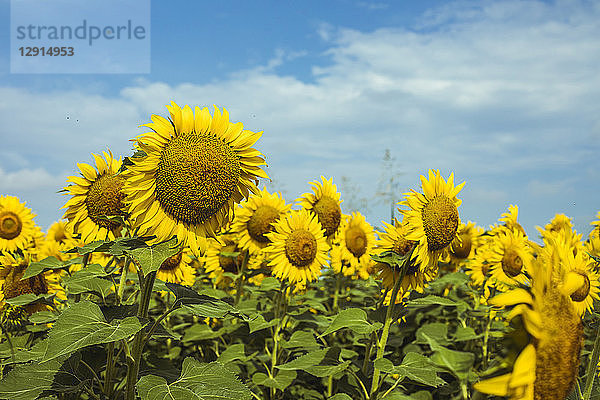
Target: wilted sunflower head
(97, 195)
(255, 218)
(189, 173)
(17, 228)
(432, 217)
(298, 248)
(325, 203)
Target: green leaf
(150, 258)
(199, 332)
(430, 300)
(232, 353)
(353, 318)
(200, 304)
(414, 366)
(86, 281)
(457, 362)
(320, 363)
(340, 396)
(82, 325)
(436, 331)
(301, 339)
(197, 381)
(30, 298)
(282, 379)
(257, 322)
(48, 263)
(269, 283)
(28, 381)
(464, 333)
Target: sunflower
(509, 257)
(432, 217)
(509, 219)
(547, 366)
(465, 245)
(12, 269)
(59, 232)
(298, 248)
(177, 269)
(255, 218)
(352, 256)
(97, 194)
(394, 239)
(194, 168)
(218, 259)
(17, 228)
(325, 203)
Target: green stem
(133, 365)
(86, 260)
(282, 303)
(108, 388)
(336, 295)
(240, 279)
(123, 281)
(386, 327)
(591, 369)
(368, 353)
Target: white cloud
(502, 93)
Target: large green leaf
(197, 381)
(150, 258)
(414, 366)
(320, 363)
(87, 280)
(30, 298)
(281, 380)
(302, 339)
(48, 263)
(353, 318)
(28, 381)
(431, 300)
(83, 324)
(201, 304)
(459, 363)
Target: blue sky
(505, 94)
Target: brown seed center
(512, 264)
(196, 177)
(580, 294)
(356, 241)
(440, 222)
(301, 248)
(261, 223)
(172, 262)
(10, 225)
(13, 285)
(329, 213)
(104, 199)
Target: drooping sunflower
(509, 257)
(255, 218)
(194, 168)
(432, 217)
(394, 239)
(17, 228)
(465, 245)
(509, 219)
(353, 255)
(12, 268)
(547, 366)
(325, 203)
(96, 195)
(298, 248)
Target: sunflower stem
(86, 260)
(591, 368)
(241, 278)
(336, 295)
(133, 366)
(123, 281)
(282, 303)
(386, 327)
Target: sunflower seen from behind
(325, 203)
(255, 217)
(432, 218)
(298, 248)
(96, 195)
(17, 227)
(190, 171)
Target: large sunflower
(255, 218)
(325, 203)
(352, 257)
(394, 239)
(97, 194)
(298, 248)
(194, 168)
(17, 228)
(432, 217)
(547, 366)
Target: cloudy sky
(505, 94)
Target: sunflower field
(173, 275)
